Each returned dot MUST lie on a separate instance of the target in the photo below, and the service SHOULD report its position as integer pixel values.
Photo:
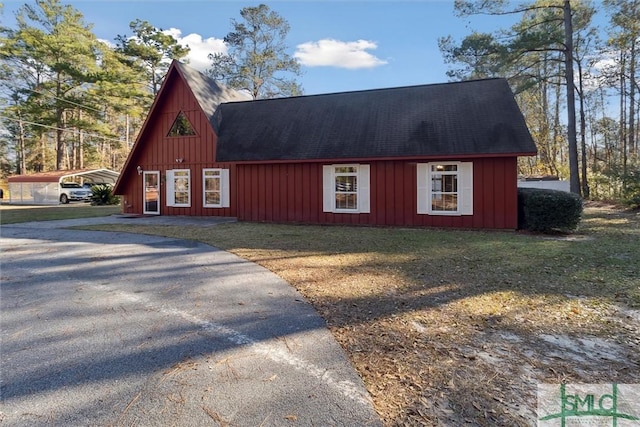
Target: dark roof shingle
(207, 91)
(449, 119)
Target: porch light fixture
(179, 160)
(139, 169)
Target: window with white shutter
(179, 188)
(215, 188)
(346, 188)
(445, 188)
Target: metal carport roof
(90, 175)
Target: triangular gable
(181, 126)
(207, 92)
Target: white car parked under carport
(72, 191)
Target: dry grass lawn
(451, 327)
(11, 214)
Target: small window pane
(346, 183)
(346, 201)
(181, 126)
(212, 184)
(212, 198)
(444, 168)
(182, 184)
(450, 183)
(436, 182)
(182, 198)
(346, 169)
(444, 202)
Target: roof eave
(386, 158)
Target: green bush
(102, 195)
(631, 192)
(548, 210)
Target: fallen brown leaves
(216, 417)
(458, 327)
(448, 343)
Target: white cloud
(108, 43)
(336, 53)
(199, 48)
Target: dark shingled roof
(207, 91)
(478, 117)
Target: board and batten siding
(292, 192)
(157, 152)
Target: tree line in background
(71, 101)
(576, 84)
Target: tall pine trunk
(623, 116)
(583, 137)
(60, 146)
(22, 156)
(632, 97)
(80, 143)
(574, 179)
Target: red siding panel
(478, 193)
(499, 198)
(510, 189)
(488, 196)
(280, 215)
(378, 199)
(314, 195)
(293, 193)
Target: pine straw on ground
(452, 327)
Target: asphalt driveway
(105, 328)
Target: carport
(44, 188)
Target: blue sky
(342, 45)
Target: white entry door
(151, 192)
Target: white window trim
(224, 188)
(171, 194)
(465, 189)
(363, 200)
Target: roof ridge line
(351, 92)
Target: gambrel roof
(471, 118)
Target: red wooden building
(441, 155)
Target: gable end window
(215, 188)
(179, 188)
(181, 126)
(345, 188)
(445, 188)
